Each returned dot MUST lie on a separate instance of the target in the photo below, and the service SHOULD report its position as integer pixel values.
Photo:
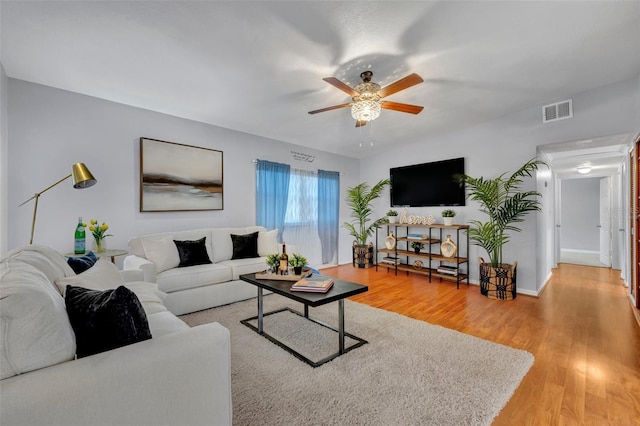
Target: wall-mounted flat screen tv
(428, 184)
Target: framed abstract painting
(177, 177)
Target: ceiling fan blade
(360, 123)
(331, 108)
(412, 109)
(403, 83)
(342, 86)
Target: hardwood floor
(581, 330)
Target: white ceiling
(257, 67)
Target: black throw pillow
(245, 246)
(82, 263)
(105, 320)
(192, 252)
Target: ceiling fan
(367, 97)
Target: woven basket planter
(362, 255)
(499, 282)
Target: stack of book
(416, 236)
(314, 284)
(390, 260)
(449, 270)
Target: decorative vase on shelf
(448, 221)
(390, 241)
(448, 248)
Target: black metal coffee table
(339, 291)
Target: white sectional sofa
(180, 376)
(194, 288)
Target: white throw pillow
(162, 252)
(267, 242)
(104, 275)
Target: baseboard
(518, 290)
(580, 251)
(544, 284)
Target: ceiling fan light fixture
(365, 110)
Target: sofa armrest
(130, 275)
(146, 266)
(180, 378)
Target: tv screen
(428, 184)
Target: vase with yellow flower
(99, 234)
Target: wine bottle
(79, 237)
(284, 260)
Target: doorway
(598, 158)
(585, 221)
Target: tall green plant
(505, 203)
(359, 199)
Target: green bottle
(79, 246)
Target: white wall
(51, 129)
(4, 162)
(580, 214)
(504, 145)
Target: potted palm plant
(505, 203)
(360, 198)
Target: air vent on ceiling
(557, 111)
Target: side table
(112, 253)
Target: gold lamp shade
(82, 177)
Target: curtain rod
(255, 161)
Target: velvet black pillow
(82, 263)
(105, 320)
(245, 246)
(192, 252)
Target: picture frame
(179, 177)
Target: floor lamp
(82, 178)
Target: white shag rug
(410, 372)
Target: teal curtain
(272, 191)
(328, 213)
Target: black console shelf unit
(431, 237)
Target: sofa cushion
(82, 263)
(105, 320)
(34, 327)
(136, 247)
(192, 252)
(245, 246)
(245, 266)
(267, 242)
(162, 323)
(151, 298)
(45, 259)
(162, 252)
(221, 241)
(104, 275)
(193, 276)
